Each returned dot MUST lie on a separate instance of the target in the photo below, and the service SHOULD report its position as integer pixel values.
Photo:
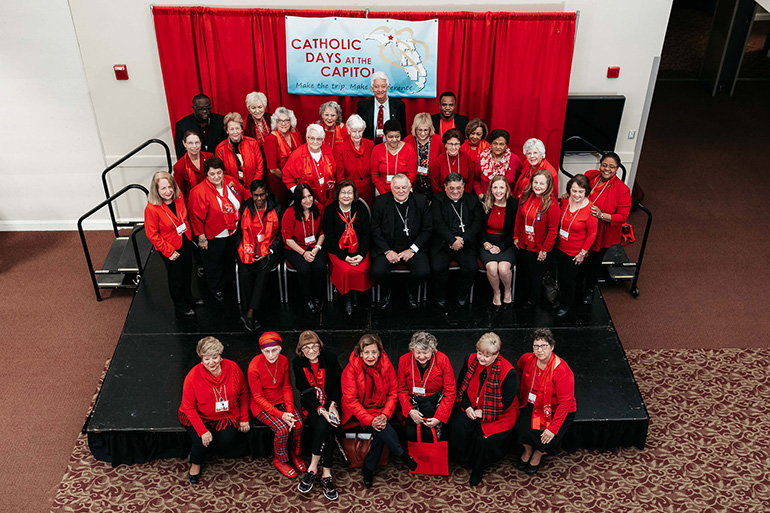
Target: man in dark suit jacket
(447, 104)
(210, 126)
(457, 220)
(368, 108)
(401, 232)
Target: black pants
(253, 281)
(419, 269)
(323, 442)
(534, 270)
(219, 263)
(468, 262)
(468, 443)
(225, 442)
(179, 273)
(593, 267)
(568, 274)
(387, 437)
(311, 275)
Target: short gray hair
(355, 122)
(331, 105)
(379, 75)
(256, 97)
(536, 144)
(282, 111)
(423, 341)
(315, 127)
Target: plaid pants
(283, 432)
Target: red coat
(187, 175)
(205, 213)
(613, 199)
(526, 175)
(507, 419)
(277, 150)
(384, 164)
(357, 407)
(442, 166)
(294, 230)
(580, 226)
(354, 165)
(201, 391)
(265, 394)
(160, 224)
(302, 168)
(546, 229)
(440, 379)
(252, 159)
(334, 137)
(563, 389)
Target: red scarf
(492, 407)
(228, 209)
(284, 149)
(490, 168)
(332, 140)
(251, 228)
(542, 410)
(349, 239)
(474, 154)
(257, 131)
(226, 385)
(375, 393)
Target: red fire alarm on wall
(121, 71)
(613, 72)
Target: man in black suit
(448, 117)
(401, 231)
(210, 126)
(369, 109)
(457, 219)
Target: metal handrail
(634, 288)
(123, 159)
(91, 212)
(136, 230)
(594, 148)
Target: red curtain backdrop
(510, 69)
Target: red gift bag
(432, 457)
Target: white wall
(610, 33)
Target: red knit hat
(269, 339)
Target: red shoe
(298, 462)
(285, 469)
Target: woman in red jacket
(497, 160)
(452, 161)
(215, 406)
(611, 200)
(353, 158)
(577, 231)
(213, 213)
(475, 139)
(426, 386)
(313, 164)
(188, 171)
(256, 125)
(330, 118)
(534, 153)
(537, 223)
(369, 398)
(241, 154)
(283, 140)
(392, 157)
(547, 401)
(272, 402)
(427, 147)
(488, 408)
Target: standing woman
(496, 251)
(241, 154)
(534, 153)
(353, 158)
(256, 125)
(475, 139)
(392, 157)
(426, 144)
(452, 161)
(547, 400)
(369, 398)
(318, 375)
(165, 222)
(488, 407)
(215, 405)
(272, 402)
(577, 232)
(313, 164)
(537, 224)
(213, 213)
(303, 239)
(330, 114)
(611, 200)
(188, 171)
(497, 160)
(283, 140)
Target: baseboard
(48, 226)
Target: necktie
(380, 120)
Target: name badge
(380, 132)
(529, 228)
(222, 405)
(321, 180)
(310, 239)
(531, 398)
(389, 178)
(564, 234)
(181, 229)
(422, 170)
(418, 391)
(260, 237)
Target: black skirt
(525, 435)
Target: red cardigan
(205, 213)
(581, 230)
(563, 389)
(187, 175)
(200, 392)
(384, 164)
(302, 168)
(277, 150)
(354, 165)
(293, 229)
(440, 378)
(266, 395)
(252, 159)
(614, 199)
(383, 397)
(436, 148)
(546, 229)
(442, 166)
(160, 224)
(526, 175)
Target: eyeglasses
(311, 347)
(539, 346)
(283, 121)
(452, 145)
(347, 193)
(608, 166)
(315, 139)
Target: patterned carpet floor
(707, 450)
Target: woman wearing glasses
(313, 164)
(452, 161)
(281, 142)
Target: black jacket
(332, 380)
(365, 109)
(217, 132)
(334, 227)
(506, 238)
(460, 122)
(442, 212)
(385, 222)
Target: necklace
(271, 373)
(459, 216)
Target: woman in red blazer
(283, 140)
(534, 153)
(611, 205)
(188, 171)
(369, 398)
(165, 222)
(241, 154)
(392, 157)
(427, 147)
(353, 158)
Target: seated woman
(354, 156)
(426, 386)
(452, 161)
(392, 157)
(318, 374)
(496, 251)
(241, 154)
(188, 171)
(283, 140)
(313, 164)
(427, 146)
(303, 240)
(547, 400)
(215, 405)
(475, 139)
(369, 398)
(272, 402)
(488, 408)
(330, 118)
(347, 232)
(534, 153)
(496, 160)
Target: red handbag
(357, 447)
(627, 234)
(432, 457)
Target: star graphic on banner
(401, 46)
(390, 38)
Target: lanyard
(312, 225)
(459, 170)
(606, 186)
(261, 223)
(220, 394)
(317, 166)
(573, 217)
(387, 166)
(425, 379)
(531, 204)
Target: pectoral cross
(462, 226)
(406, 230)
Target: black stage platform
(135, 415)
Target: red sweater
(334, 137)
(277, 150)
(385, 164)
(205, 213)
(252, 159)
(614, 199)
(368, 391)
(302, 168)
(201, 391)
(546, 229)
(160, 224)
(440, 377)
(187, 175)
(266, 395)
(474, 154)
(526, 176)
(354, 165)
(580, 228)
(298, 230)
(482, 182)
(563, 389)
(442, 166)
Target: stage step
(617, 264)
(120, 269)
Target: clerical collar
(400, 202)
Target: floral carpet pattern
(707, 450)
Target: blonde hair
(306, 338)
(209, 346)
(420, 120)
(233, 116)
(153, 197)
(489, 343)
(489, 199)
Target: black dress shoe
(441, 302)
(311, 307)
(348, 304)
(368, 477)
(522, 465)
(561, 312)
(199, 302)
(248, 322)
(411, 300)
(531, 469)
(462, 301)
(507, 305)
(255, 323)
(385, 303)
(496, 308)
(410, 463)
(219, 297)
(476, 476)
(186, 313)
(354, 293)
(317, 302)
(194, 479)
(588, 297)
